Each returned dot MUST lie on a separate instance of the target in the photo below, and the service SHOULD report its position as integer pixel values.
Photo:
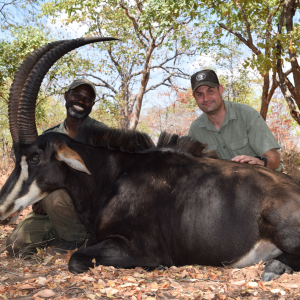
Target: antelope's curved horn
(26, 115)
(18, 84)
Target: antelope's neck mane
(137, 142)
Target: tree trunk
(290, 12)
(124, 123)
(126, 105)
(286, 93)
(292, 107)
(144, 81)
(289, 92)
(264, 96)
(267, 93)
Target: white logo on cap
(200, 76)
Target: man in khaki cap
(236, 131)
(54, 220)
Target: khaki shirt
(61, 128)
(243, 132)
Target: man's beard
(74, 113)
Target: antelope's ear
(71, 158)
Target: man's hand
(248, 159)
(38, 208)
(273, 159)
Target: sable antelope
(146, 206)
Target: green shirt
(243, 132)
(61, 128)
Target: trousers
(37, 230)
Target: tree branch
(5, 4)
(242, 39)
(139, 6)
(271, 15)
(274, 86)
(136, 26)
(246, 22)
(152, 87)
(105, 83)
(184, 22)
(160, 66)
(115, 62)
(102, 97)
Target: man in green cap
(54, 220)
(236, 131)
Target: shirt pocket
(240, 147)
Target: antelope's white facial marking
(15, 191)
(262, 250)
(34, 194)
(24, 169)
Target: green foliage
(3, 112)
(110, 19)
(12, 53)
(24, 41)
(238, 88)
(262, 17)
(107, 112)
(238, 83)
(119, 66)
(49, 110)
(170, 12)
(268, 28)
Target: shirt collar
(62, 125)
(230, 114)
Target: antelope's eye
(34, 159)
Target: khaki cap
(81, 81)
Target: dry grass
(6, 168)
(290, 165)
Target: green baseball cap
(81, 81)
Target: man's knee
(60, 208)
(63, 216)
(57, 201)
(62, 199)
